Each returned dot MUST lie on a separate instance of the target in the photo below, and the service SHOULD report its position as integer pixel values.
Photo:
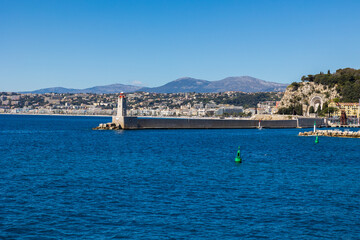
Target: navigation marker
(238, 157)
(317, 139)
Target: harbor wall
(309, 122)
(198, 123)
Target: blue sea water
(59, 179)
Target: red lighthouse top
(122, 95)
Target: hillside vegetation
(247, 100)
(347, 82)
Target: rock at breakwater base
(107, 126)
(332, 133)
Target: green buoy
(238, 157)
(317, 139)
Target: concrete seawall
(198, 123)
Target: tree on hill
(295, 109)
(347, 81)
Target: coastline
(65, 115)
(143, 117)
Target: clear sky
(85, 43)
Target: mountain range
(185, 84)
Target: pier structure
(122, 121)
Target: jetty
(122, 121)
(338, 125)
(332, 133)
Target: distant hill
(243, 84)
(185, 84)
(113, 88)
(54, 90)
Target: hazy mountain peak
(184, 78)
(183, 84)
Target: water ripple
(60, 179)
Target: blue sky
(79, 44)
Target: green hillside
(347, 81)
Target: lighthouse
(120, 118)
(121, 109)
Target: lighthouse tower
(121, 119)
(121, 110)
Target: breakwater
(200, 123)
(332, 133)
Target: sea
(59, 179)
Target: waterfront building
(15, 97)
(229, 110)
(210, 105)
(5, 102)
(201, 112)
(198, 105)
(351, 109)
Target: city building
(351, 109)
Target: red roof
(347, 104)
